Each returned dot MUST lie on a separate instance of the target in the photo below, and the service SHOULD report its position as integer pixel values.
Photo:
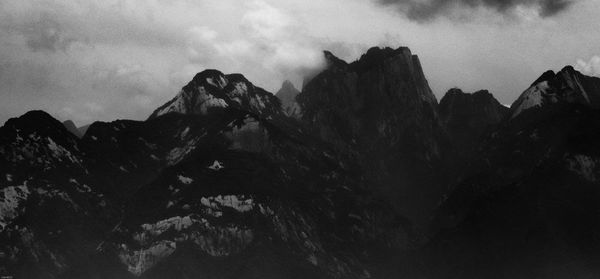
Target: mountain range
(360, 174)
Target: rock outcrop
(381, 109)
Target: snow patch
(206, 101)
(60, 152)
(176, 223)
(219, 82)
(11, 199)
(216, 166)
(237, 202)
(141, 260)
(184, 133)
(185, 180)
(178, 153)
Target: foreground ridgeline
(360, 174)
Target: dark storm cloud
(424, 10)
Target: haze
(107, 60)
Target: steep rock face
(287, 94)
(554, 89)
(212, 90)
(466, 116)
(526, 207)
(382, 109)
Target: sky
(120, 59)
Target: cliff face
(382, 109)
(466, 117)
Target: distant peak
(72, 128)
(69, 122)
(287, 85)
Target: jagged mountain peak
(212, 90)
(568, 86)
(470, 113)
(380, 102)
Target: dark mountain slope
(238, 189)
(51, 215)
(527, 208)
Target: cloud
(590, 67)
(273, 47)
(107, 59)
(47, 35)
(425, 10)
(97, 60)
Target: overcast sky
(114, 59)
